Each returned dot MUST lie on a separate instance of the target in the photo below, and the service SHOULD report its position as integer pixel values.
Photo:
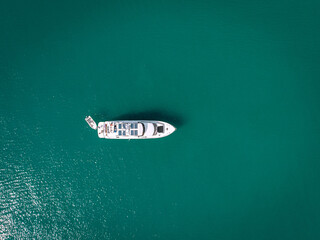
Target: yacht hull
(134, 129)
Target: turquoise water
(239, 80)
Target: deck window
(120, 133)
(120, 125)
(123, 133)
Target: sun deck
(122, 129)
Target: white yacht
(133, 129)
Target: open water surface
(239, 79)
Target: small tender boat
(133, 129)
(91, 123)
